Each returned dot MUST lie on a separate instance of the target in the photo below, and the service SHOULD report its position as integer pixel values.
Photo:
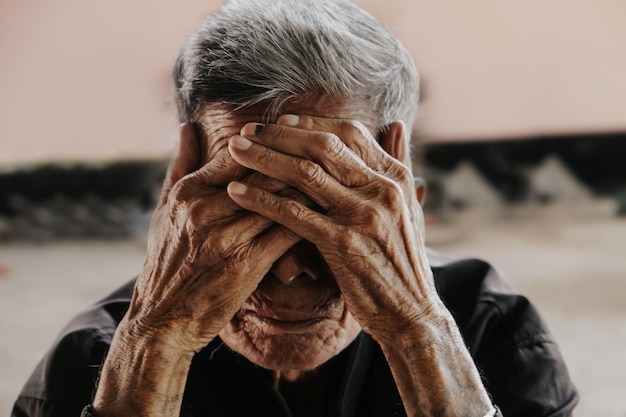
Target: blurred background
(521, 135)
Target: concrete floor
(575, 271)
(572, 269)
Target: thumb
(185, 160)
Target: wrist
(436, 322)
(171, 337)
(141, 375)
(431, 363)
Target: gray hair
(255, 51)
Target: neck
(306, 393)
(290, 375)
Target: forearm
(141, 377)
(434, 372)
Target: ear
(420, 189)
(395, 141)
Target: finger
(268, 183)
(185, 170)
(356, 135)
(296, 195)
(292, 214)
(270, 246)
(185, 160)
(236, 231)
(325, 148)
(220, 170)
(206, 181)
(300, 173)
(390, 156)
(212, 207)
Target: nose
(300, 264)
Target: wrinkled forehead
(219, 122)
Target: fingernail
(237, 188)
(288, 119)
(252, 129)
(241, 143)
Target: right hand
(205, 254)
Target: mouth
(285, 322)
(274, 308)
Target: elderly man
(286, 271)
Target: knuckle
(349, 241)
(280, 133)
(403, 177)
(401, 172)
(393, 168)
(264, 153)
(298, 196)
(390, 193)
(192, 211)
(330, 143)
(179, 191)
(263, 181)
(311, 173)
(307, 122)
(355, 126)
(292, 210)
(180, 198)
(191, 204)
(375, 215)
(357, 137)
(264, 199)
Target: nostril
(304, 278)
(292, 279)
(301, 263)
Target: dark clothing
(521, 365)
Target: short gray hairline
(396, 100)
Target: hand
(205, 254)
(369, 227)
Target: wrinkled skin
(286, 239)
(207, 250)
(353, 245)
(369, 230)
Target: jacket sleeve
(521, 363)
(63, 382)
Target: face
(296, 319)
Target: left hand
(368, 225)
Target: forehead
(220, 123)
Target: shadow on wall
(49, 202)
(584, 173)
(113, 200)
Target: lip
(288, 323)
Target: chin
(289, 350)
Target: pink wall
(497, 68)
(90, 80)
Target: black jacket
(520, 363)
